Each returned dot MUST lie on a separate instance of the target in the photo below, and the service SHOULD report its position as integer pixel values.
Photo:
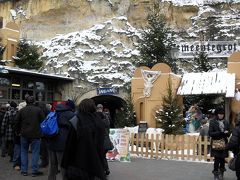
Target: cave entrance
(113, 103)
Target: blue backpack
(49, 126)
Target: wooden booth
(149, 86)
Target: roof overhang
(14, 70)
(207, 83)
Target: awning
(207, 83)
(16, 70)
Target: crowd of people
(215, 126)
(78, 151)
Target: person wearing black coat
(218, 129)
(234, 146)
(56, 145)
(3, 110)
(83, 155)
(107, 142)
(27, 124)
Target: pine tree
(169, 116)
(27, 56)
(201, 63)
(126, 115)
(155, 42)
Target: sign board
(142, 127)
(107, 91)
(120, 140)
(213, 49)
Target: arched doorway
(113, 103)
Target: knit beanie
(70, 103)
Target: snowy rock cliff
(101, 56)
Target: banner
(213, 49)
(120, 140)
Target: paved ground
(138, 169)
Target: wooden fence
(179, 147)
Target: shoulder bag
(232, 163)
(218, 144)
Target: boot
(221, 173)
(216, 175)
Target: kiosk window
(40, 86)
(50, 96)
(26, 92)
(16, 83)
(28, 85)
(4, 82)
(15, 93)
(3, 93)
(40, 96)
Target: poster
(120, 140)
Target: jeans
(35, 146)
(17, 155)
(55, 159)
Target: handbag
(218, 144)
(232, 163)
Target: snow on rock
(15, 13)
(101, 55)
(199, 2)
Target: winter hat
(13, 104)
(219, 110)
(99, 106)
(70, 103)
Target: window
(28, 85)
(16, 83)
(25, 93)
(3, 93)
(50, 96)
(40, 86)
(4, 82)
(40, 96)
(16, 94)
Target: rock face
(44, 19)
(95, 40)
(101, 56)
